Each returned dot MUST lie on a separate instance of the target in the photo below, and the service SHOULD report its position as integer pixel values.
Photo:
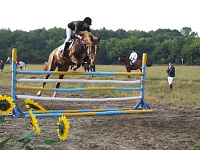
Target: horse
(78, 51)
(128, 66)
(21, 64)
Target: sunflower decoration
(63, 127)
(6, 105)
(31, 104)
(33, 122)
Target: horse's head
(92, 46)
(122, 58)
(119, 59)
(94, 49)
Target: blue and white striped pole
(16, 110)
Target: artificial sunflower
(31, 104)
(6, 105)
(63, 127)
(34, 122)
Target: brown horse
(137, 64)
(79, 50)
(94, 50)
(90, 61)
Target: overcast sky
(143, 15)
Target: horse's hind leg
(51, 68)
(58, 84)
(60, 68)
(43, 84)
(77, 63)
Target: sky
(140, 15)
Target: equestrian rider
(133, 57)
(75, 26)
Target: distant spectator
(171, 74)
(2, 65)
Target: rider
(133, 57)
(75, 26)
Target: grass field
(185, 92)
(174, 123)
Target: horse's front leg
(76, 61)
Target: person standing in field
(133, 57)
(2, 65)
(171, 74)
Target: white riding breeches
(170, 79)
(132, 62)
(68, 34)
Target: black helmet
(88, 20)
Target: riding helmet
(88, 20)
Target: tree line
(162, 45)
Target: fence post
(16, 110)
(142, 104)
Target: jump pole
(140, 107)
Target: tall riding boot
(65, 50)
(171, 87)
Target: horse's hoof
(74, 68)
(39, 93)
(54, 94)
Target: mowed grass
(186, 84)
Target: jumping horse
(78, 51)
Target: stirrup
(62, 54)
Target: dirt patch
(169, 127)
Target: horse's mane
(122, 56)
(86, 33)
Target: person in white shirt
(133, 58)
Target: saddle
(133, 66)
(68, 47)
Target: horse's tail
(48, 65)
(149, 64)
(45, 66)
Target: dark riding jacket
(78, 26)
(171, 71)
(2, 65)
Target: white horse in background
(21, 65)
